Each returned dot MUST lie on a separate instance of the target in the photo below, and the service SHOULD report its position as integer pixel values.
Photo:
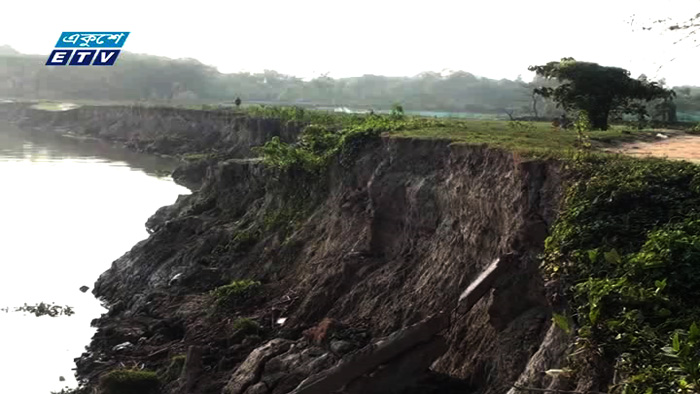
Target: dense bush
(126, 381)
(236, 293)
(320, 142)
(627, 248)
(246, 326)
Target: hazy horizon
(307, 39)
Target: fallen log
(375, 355)
(372, 356)
(478, 288)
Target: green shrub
(320, 142)
(583, 128)
(626, 246)
(236, 293)
(396, 111)
(127, 381)
(517, 125)
(246, 326)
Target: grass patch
(126, 381)
(626, 247)
(246, 326)
(529, 136)
(236, 293)
(336, 136)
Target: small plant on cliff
(236, 293)
(246, 326)
(321, 142)
(127, 381)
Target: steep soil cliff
(377, 245)
(289, 273)
(370, 246)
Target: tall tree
(596, 89)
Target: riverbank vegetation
(328, 136)
(625, 250)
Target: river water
(68, 208)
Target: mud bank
(372, 247)
(343, 259)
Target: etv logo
(83, 56)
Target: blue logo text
(80, 53)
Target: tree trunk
(599, 120)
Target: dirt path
(681, 147)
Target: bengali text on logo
(75, 48)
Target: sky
(308, 38)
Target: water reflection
(68, 208)
(37, 147)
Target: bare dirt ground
(677, 147)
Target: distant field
(530, 136)
(523, 136)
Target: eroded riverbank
(69, 208)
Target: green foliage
(397, 112)
(127, 381)
(517, 125)
(562, 322)
(283, 156)
(539, 137)
(246, 326)
(684, 354)
(236, 293)
(627, 246)
(583, 128)
(298, 114)
(596, 89)
(319, 143)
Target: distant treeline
(143, 77)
